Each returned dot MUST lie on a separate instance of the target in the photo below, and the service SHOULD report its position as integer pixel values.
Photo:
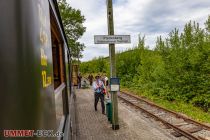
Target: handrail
(58, 90)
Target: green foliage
(178, 69)
(73, 25)
(208, 24)
(177, 106)
(97, 65)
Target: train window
(56, 64)
(58, 73)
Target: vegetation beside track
(183, 108)
(175, 74)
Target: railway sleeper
(190, 130)
(181, 124)
(206, 138)
(160, 113)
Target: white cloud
(150, 17)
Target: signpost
(112, 39)
(114, 84)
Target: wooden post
(115, 122)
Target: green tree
(73, 24)
(208, 29)
(208, 24)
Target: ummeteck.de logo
(32, 133)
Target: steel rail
(172, 112)
(183, 132)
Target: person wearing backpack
(98, 87)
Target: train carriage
(34, 67)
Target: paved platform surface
(93, 125)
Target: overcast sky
(151, 18)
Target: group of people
(100, 88)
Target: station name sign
(112, 39)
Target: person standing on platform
(79, 78)
(90, 78)
(106, 83)
(98, 88)
(106, 79)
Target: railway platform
(93, 125)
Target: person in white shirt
(98, 87)
(106, 83)
(106, 80)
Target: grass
(187, 109)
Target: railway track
(182, 126)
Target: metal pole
(115, 122)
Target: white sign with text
(112, 39)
